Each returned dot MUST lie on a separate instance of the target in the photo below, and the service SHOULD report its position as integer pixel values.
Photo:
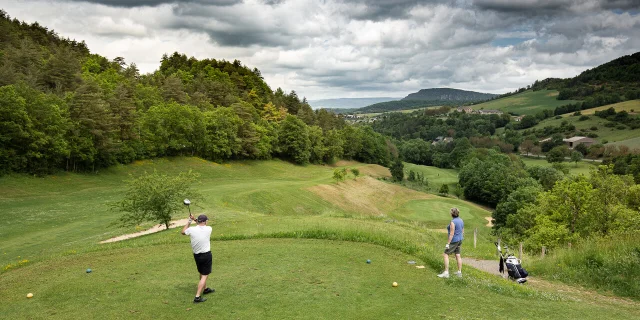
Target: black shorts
(454, 248)
(203, 262)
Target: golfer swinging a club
(201, 244)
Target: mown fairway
(436, 176)
(281, 250)
(528, 102)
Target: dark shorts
(454, 247)
(203, 262)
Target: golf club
(187, 203)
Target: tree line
(62, 107)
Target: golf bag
(514, 267)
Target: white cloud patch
(336, 48)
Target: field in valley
(528, 102)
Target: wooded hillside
(62, 107)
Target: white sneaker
(444, 275)
(459, 274)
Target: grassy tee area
(288, 242)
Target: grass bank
(610, 265)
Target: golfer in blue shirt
(455, 231)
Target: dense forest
(62, 107)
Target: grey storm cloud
(340, 48)
(535, 7)
(153, 3)
(382, 9)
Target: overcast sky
(359, 48)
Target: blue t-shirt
(457, 234)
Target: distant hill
(448, 94)
(429, 98)
(398, 105)
(353, 103)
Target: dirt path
(490, 266)
(154, 229)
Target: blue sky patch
(505, 42)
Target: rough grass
(610, 265)
(633, 143)
(528, 102)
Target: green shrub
(356, 173)
(444, 189)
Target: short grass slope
(435, 176)
(367, 195)
(272, 279)
(528, 102)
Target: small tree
(537, 151)
(338, 175)
(557, 154)
(155, 197)
(397, 170)
(576, 156)
(356, 173)
(444, 189)
(412, 176)
(458, 191)
(582, 148)
(527, 146)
